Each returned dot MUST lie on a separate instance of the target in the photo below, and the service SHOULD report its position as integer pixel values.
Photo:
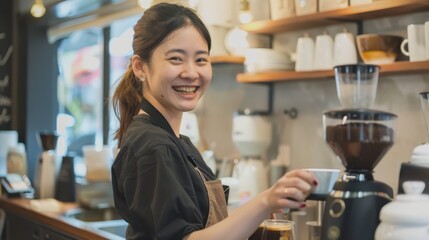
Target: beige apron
(217, 202)
(217, 208)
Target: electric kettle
(407, 216)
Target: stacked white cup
(304, 53)
(345, 49)
(416, 43)
(323, 52)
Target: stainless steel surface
(114, 230)
(320, 210)
(314, 230)
(299, 218)
(302, 217)
(359, 194)
(94, 194)
(93, 215)
(106, 221)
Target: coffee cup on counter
(416, 43)
(279, 229)
(274, 229)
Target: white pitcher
(304, 53)
(324, 52)
(345, 49)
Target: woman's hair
(157, 22)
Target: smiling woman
(162, 186)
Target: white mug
(416, 43)
(427, 39)
(324, 52)
(345, 49)
(304, 54)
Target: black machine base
(352, 210)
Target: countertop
(53, 219)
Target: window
(80, 92)
(80, 83)
(120, 52)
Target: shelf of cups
(396, 68)
(353, 13)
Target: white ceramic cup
(427, 39)
(326, 179)
(345, 49)
(304, 54)
(416, 43)
(324, 52)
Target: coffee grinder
(360, 137)
(45, 174)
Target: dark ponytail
(126, 101)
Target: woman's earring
(142, 79)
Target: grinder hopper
(359, 137)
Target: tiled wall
(396, 94)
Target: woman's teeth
(185, 90)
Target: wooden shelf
(396, 68)
(227, 59)
(354, 13)
(358, 13)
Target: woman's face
(179, 72)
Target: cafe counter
(44, 219)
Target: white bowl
(266, 55)
(260, 67)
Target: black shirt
(156, 188)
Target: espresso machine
(359, 137)
(251, 134)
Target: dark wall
(37, 71)
(6, 50)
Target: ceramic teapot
(407, 216)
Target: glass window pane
(120, 50)
(80, 89)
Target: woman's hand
(291, 190)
